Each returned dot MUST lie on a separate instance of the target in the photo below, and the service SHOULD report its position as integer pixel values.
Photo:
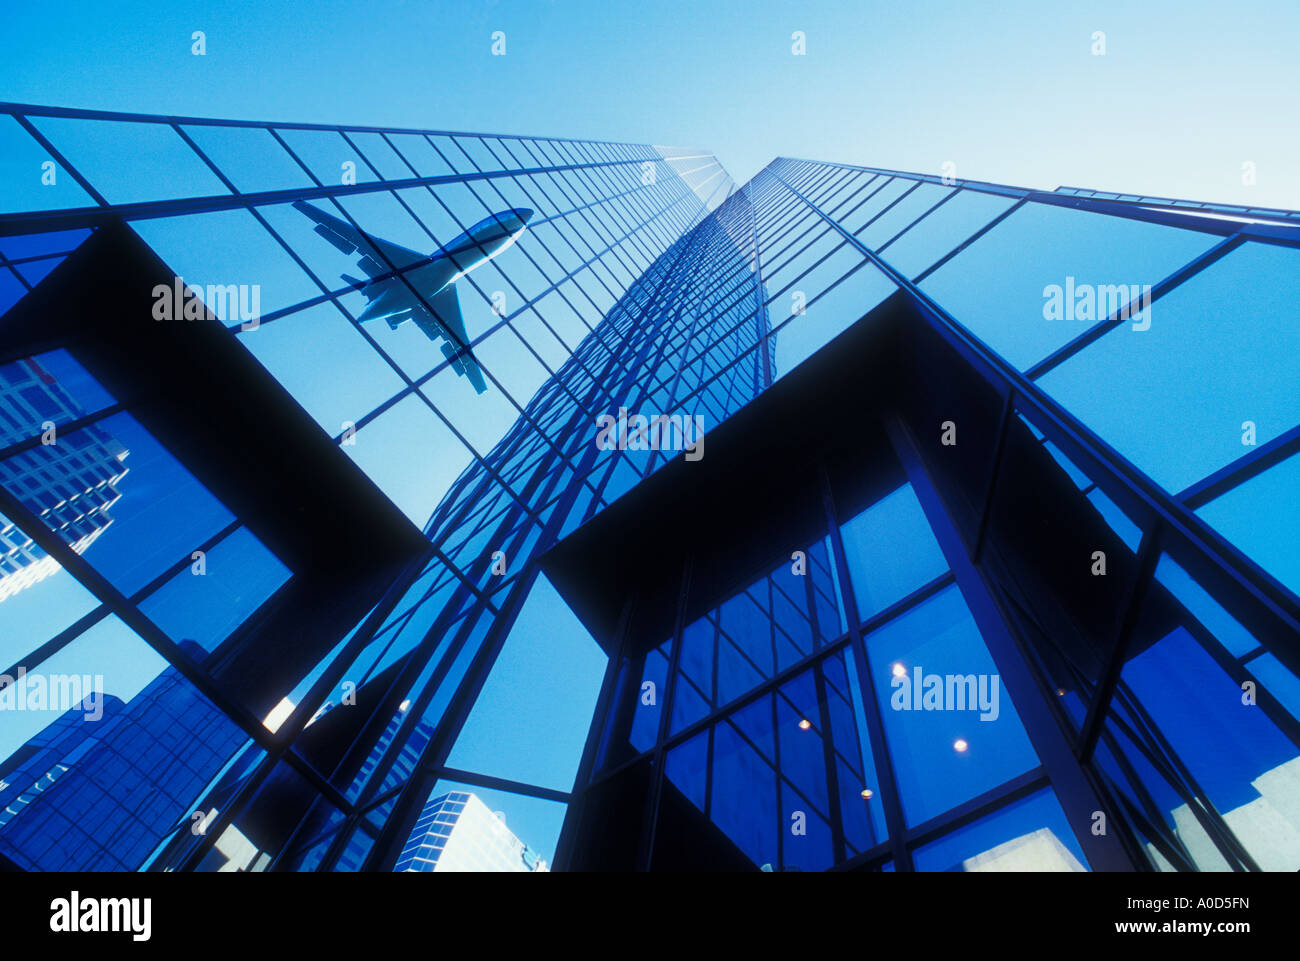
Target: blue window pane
(1239, 513)
(113, 494)
(48, 388)
(327, 155)
(891, 551)
(647, 700)
(1215, 357)
(129, 162)
(325, 363)
(99, 783)
(239, 574)
(688, 767)
(942, 230)
(249, 157)
(995, 287)
(1031, 834)
(822, 319)
(1278, 681)
(898, 217)
(530, 721)
(38, 598)
(952, 729)
(862, 811)
(244, 277)
(1225, 628)
(30, 179)
(1245, 765)
(34, 245)
(12, 289)
(744, 803)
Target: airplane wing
(447, 323)
(348, 239)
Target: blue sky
(1185, 94)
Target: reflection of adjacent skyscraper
(69, 484)
(99, 795)
(457, 832)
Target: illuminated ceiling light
(867, 794)
(804, 724)
(899, 670)
(960, 745)
(1060, 691)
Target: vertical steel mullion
(650, 820)
(889, 796)
(591, 749)
(834, 801)
(1072, 781)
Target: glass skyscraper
(456, 832)
(847, 519)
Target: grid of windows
(644, 284)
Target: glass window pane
(1027, 835)
(891, 551)
(530, 721)
(995, 287)
(130, 162)
(1240, 516)
(952, 729)
(1218, 353)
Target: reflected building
(70, 482)
(457, 832)
(98, 793)
(998, 437)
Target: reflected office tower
(98, 792)
(845, 519)
(457, 832)
(70, 481)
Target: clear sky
(1186, 93)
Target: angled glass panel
(1001, 286)
(826, 316)
(952, 728)
(529, 723)
(249, 157)
(1031, 834)
(411, 455)
(116, 496)
(321, 358)
(208, 600)
(30, 179)
(1212, 369)
(943, 229)
(130, 162)
(243, 276)
(330, 158)
(891, 551)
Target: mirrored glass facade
(364, 486)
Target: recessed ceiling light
(960, 745)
